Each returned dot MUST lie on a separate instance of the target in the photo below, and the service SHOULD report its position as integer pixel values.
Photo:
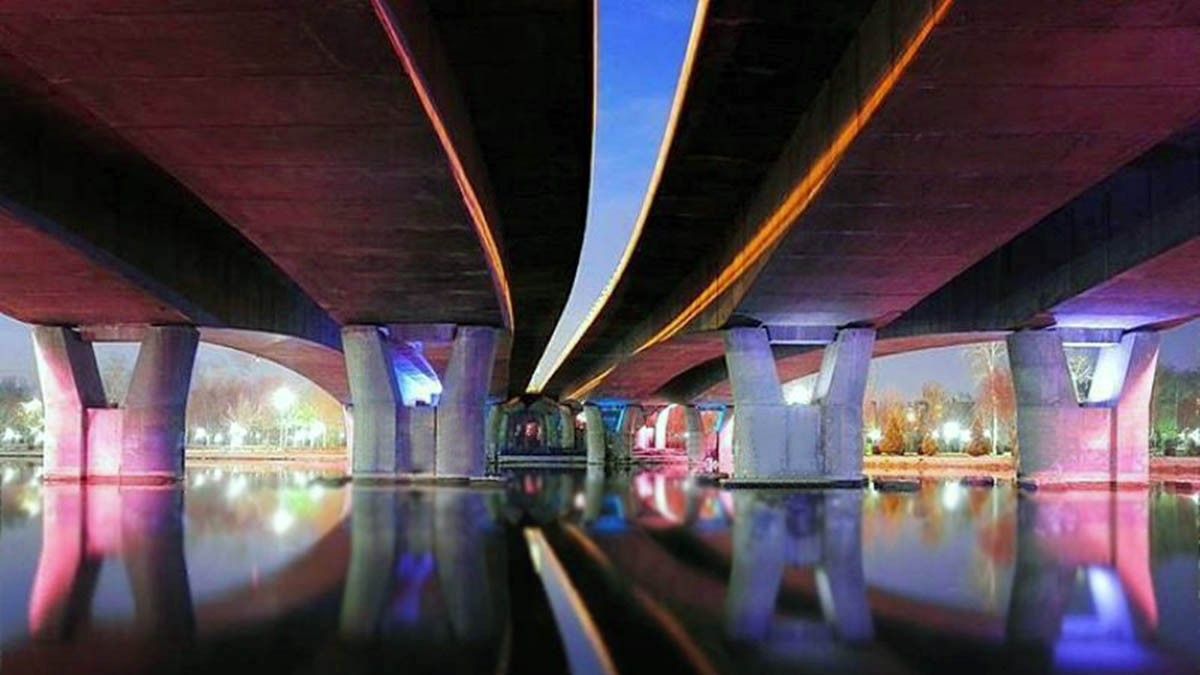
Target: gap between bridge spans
(771, 230)
(543, 372)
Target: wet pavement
(556, 571)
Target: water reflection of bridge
(433, 575)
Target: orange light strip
(491, 251)
(538, 381)
(591, 384)
(802, 195)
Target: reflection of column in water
(468, 550)
(1041, 585)
(842, 583)
(821, 530)
(758, 562)
(152, 547)
(593, 492)
(1061, 536)
(66, 576)
(375, 527)
(83, 524)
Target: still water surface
(295, 571)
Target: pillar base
(1081, 482)
(795, 483)
(143, 479)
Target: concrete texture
(71, 385)
(778, 442)
(841, 384)
(462, 410)
(153, 414)
(382, 446)
(1065, 443)
(633, 418)
(693, 433)
(594, 435)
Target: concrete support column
(1131, 412)
(154, 412)
(381, 446)
(1103, 441)
(694, 433)
(460, 412)
(595, 436)
(633, 417)
(566, 421)
(772, 442)
(70, 384)
(495, 420)
(841, 385)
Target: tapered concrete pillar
(495, 418)
(841, 385)
(632, 419)
(566, 421)
(772, 442)
(595, 435)
(71, 385)
(460, 412)
(154, 411)
(693, 439)
(381, 445)
(1105, 440)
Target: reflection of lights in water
(218, 474)
(31, 506)
(580, 500)
(9, 474)
(199, 480)
(316, 491)
(282, 521)
(951, 495)
(236, 487)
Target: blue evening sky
(640, 53)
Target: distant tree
(978, 445)
(995, 397)
(936, 402)
(928, 445)
(1081, 361)
(893, 435)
